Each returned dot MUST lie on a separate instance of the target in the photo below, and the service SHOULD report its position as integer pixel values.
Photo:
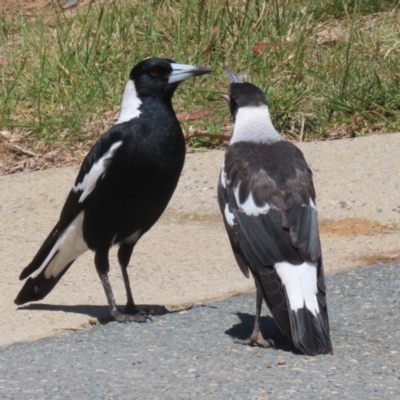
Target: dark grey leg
(124, 255)
(256, 337)
(102, 267)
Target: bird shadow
(269, 329)
(101, 313)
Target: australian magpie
(122, 188)
(267, 199)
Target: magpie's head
(242, 94)
(161, 76)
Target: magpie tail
(38, 288)
(310, 333)
(55, 256)
(42, 253)
(304, 290)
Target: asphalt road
(190, 354)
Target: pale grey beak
(226, 97)
(232, 77)
(181, 72)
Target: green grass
(329, 68)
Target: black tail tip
(19, 300)
(310, 334)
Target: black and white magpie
(267, 199)
(122, 188)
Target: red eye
(154, 72)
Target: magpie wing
(78, 198)
(267, 198)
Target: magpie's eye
(155, 72)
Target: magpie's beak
(232, 77)
(181, 72)
(226, 97)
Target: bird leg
(101, 262)
(130, 304)
(257, 337)
(124, 255)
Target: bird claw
(256, 340)
(145, 315)
(138, 317)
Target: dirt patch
(10, 7)
(359, 242)
(371, 259)
(29, 7)
(192, 217)
(353, 227)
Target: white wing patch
(97, 171)
(69, 246)
(300, 283)
(249, 206)
(134, 237)
(312, 204)
(229, 217)
(130, 103)
(223, 178)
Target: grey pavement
(190, 354)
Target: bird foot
(137, 317)
(256, 340)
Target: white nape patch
(249, 207)
(130, 103)
(230, 217)
(96, 172)
(253, 124)
(313, 205)
(69, 246)
(300, 283)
